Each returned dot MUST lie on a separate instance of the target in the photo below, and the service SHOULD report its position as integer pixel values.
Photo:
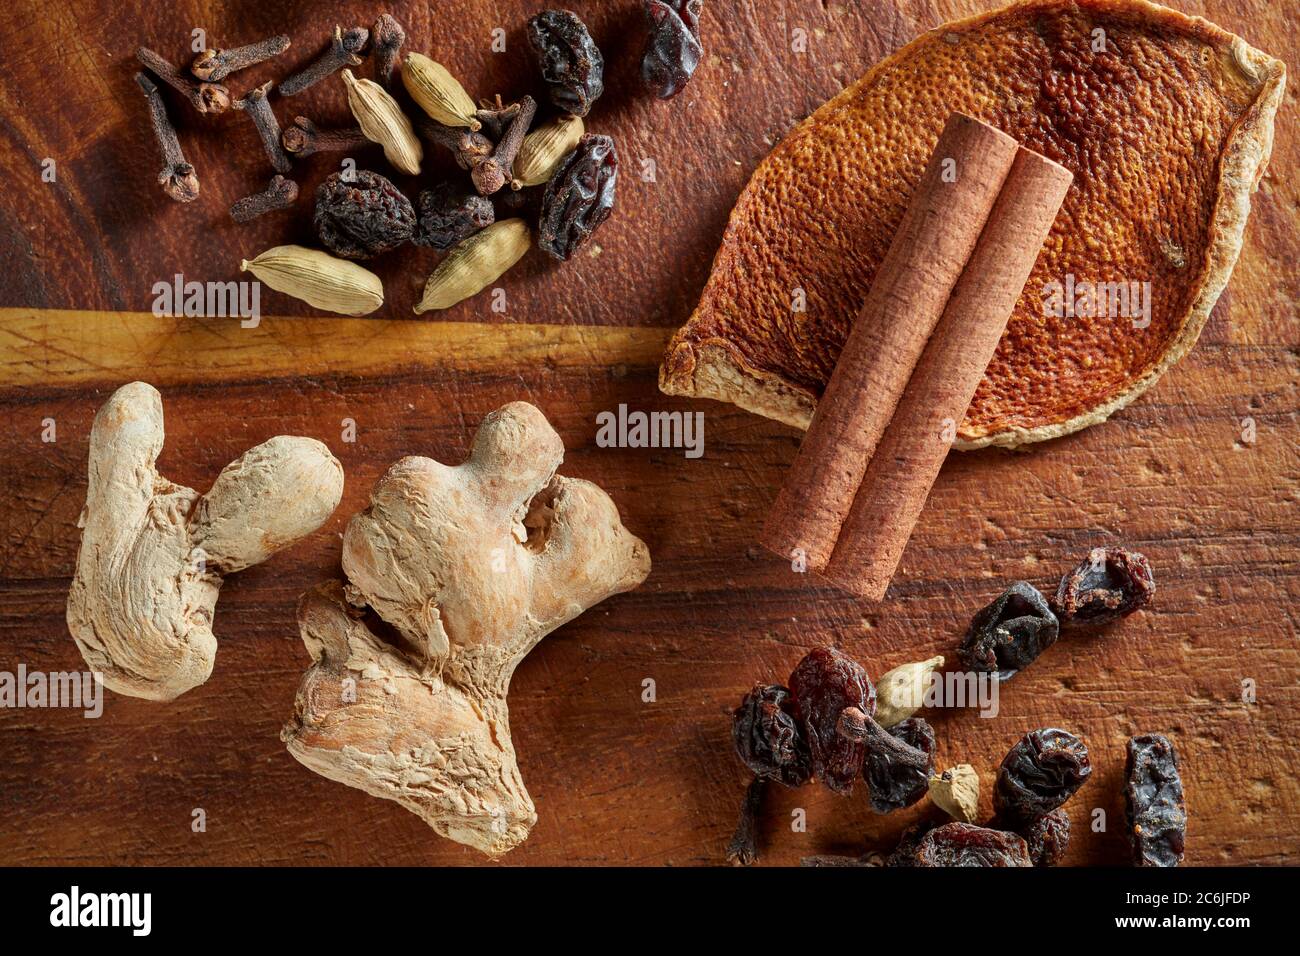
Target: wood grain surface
(616, 779)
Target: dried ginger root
(153, 554)
(470, 566)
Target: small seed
(543, 149)
(901, 692)
(319, 279)
(475, 263)
(383, 122)
(957, 793)
(438, 92)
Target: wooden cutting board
(616, 778)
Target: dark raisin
(1010, 633)
(673, 49)
(964, 844)
(768, 738)
(905, 853)
(363, 216)
(1041, 772)
(1048, 836)
(899, 776)
(825, 684)
(579, 196)
(571, 64)
(1153, 801)
(1111, 583)
(450, 213)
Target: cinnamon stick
(907, 460)
(938, 232)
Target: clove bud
(280, 194)
(304, 138)
(205, 97)
(258, 108)
(178, 179)
(213, 65)
(344, 50)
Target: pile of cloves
(556, 171)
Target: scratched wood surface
(616, 779)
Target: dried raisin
(1043, 770)
(899, 775)
(1010, 633)
(571, 63)
(362, 216)
(825, 684)
(1112, 583)
(449, 213)
(1153, 801)
(579, 196)
(673, 49)
(964, 844)
(768, 738)
(1048, 837)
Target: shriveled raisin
(1048, 837)
(1010, 633)
(673, 49)
(362, 216)
(899, 776)
(449, 213)
(1043, 770)
(964, 844)
(1153, 802)
(825, 684)
(571, 64)
(579, 196)
(905, 853)
(1111, 583)
(768, 738)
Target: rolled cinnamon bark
(907, 460)
(938, 232)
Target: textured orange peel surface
(1166, 124)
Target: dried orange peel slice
(1166, 122)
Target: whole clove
(386, 39)
(344, 50)
(468, 147)
(497, 170)
(304, 138)
(205, 97)
(214, 65)
(496, 116)
(743, 848)
(258, 109)
(178, 179)
(280, 194)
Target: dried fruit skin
(964, 844)
(895, 778)
(571, 63)
(449, 213)
(579, 196)
(1111, 583)
(364, 217)
(1009, 633)
(673, 48)
(1153, 802)
(823, 684)
(1048, 837)
(1043, 770)
(768, 738)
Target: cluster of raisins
(822, 726)
(1010, 633)
(1040, 773)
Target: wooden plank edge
(60, 349)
